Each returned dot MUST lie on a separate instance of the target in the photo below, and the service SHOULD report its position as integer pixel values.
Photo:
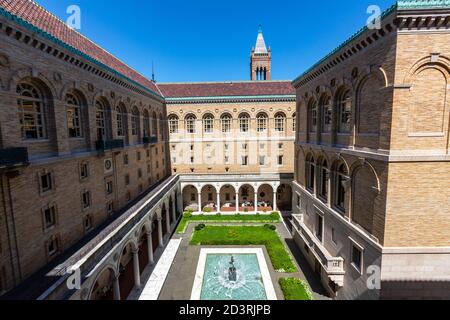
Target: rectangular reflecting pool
(232, 274)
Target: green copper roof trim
(61, 43)
(423, 4)
(399, 5)
(232, 97)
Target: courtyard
(283, 268)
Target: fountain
(232, 271)
(232, 278)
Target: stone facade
(48, 204)
(372, 158)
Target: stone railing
(334, 266)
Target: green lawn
(261, 218)
(248, 235)
(295, 289)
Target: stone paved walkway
(180, 279)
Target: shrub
(270, 226)
(200, 227)
(187, 214)
(245, 210)
(207, 210)
(295, 289)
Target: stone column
(200, 201)
(256, 202)
(218, 201)
(137, 274)
(150, 247)
(328, 179)
(116, 288)
(160, 237)
(237, 202)
(174, 211)
(168, 220)
(275, 199)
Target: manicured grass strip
(235, 218)
(248, 235)
(295, 289)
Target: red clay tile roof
(221, 89)
(42, 19)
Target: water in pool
(232, 277)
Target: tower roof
(260, 43)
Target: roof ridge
(224, 82)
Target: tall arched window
(327, 112)
(146, 123)
(344, 105)
(73, 110)
(310, 173)
(324, 176)
(135, 121)
(208, 123)
(121, 119)
(190, 123)
(100, 120)
(31, 105)
(161, 127)
(173, 124)
(312, 116)
(280, 120)
(294, 119)
(261, 122)
(244, 122)
(154, 124)
(226, 122)
(341, 177)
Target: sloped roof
(40, 18)
(229, 89)
(260, 43)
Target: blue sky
(209, 40)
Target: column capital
(135, 251)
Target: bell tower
(260, 60)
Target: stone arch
(31, 73)
(46, 111)
(72, 85)
(440, 61)
(246, 194)
(209, 197)
(227, 197)
(84, 112)
(369, 94)
(125, 268)
(284, 197)
(427, 112)
(265, 197)
(102, 286)
(142, 243)
(190, 197)
(343, 108)
(364, 191)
